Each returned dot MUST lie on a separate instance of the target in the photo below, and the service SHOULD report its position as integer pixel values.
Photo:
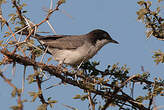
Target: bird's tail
(36, 36)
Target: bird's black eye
(105, 35)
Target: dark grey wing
(62, 41)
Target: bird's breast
(75, 56)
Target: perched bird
(74, 49)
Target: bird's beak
(114, 41)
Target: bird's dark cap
(101, 34)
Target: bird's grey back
(62, 41)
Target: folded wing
(61, 41)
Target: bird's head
(101, 35)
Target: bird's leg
(78, 67)
(60, 65)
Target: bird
(75, 49)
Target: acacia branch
(8, 81)
(92, 104)
(19, 12)
(50, 13)
(39, 81)
(53, 70)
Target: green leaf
(15, 107)
(140, 99)
(63, 1)
(141, 2)
(42, 107)
(70, 107)
(34, 95)
(78, 96)
(1, 41)
(84, 97)
(158, 10)
(158, 57)
(24, 4)
(49, 98)
(149, 33)
(149, 3)
(13, 93)
(52, 101)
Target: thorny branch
(61, 74)
(152, 20)
(92, 105)
(110, 96)
(19, 12)
(20, 105)
(38, 80)
(109, 100)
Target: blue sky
(117, 17)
